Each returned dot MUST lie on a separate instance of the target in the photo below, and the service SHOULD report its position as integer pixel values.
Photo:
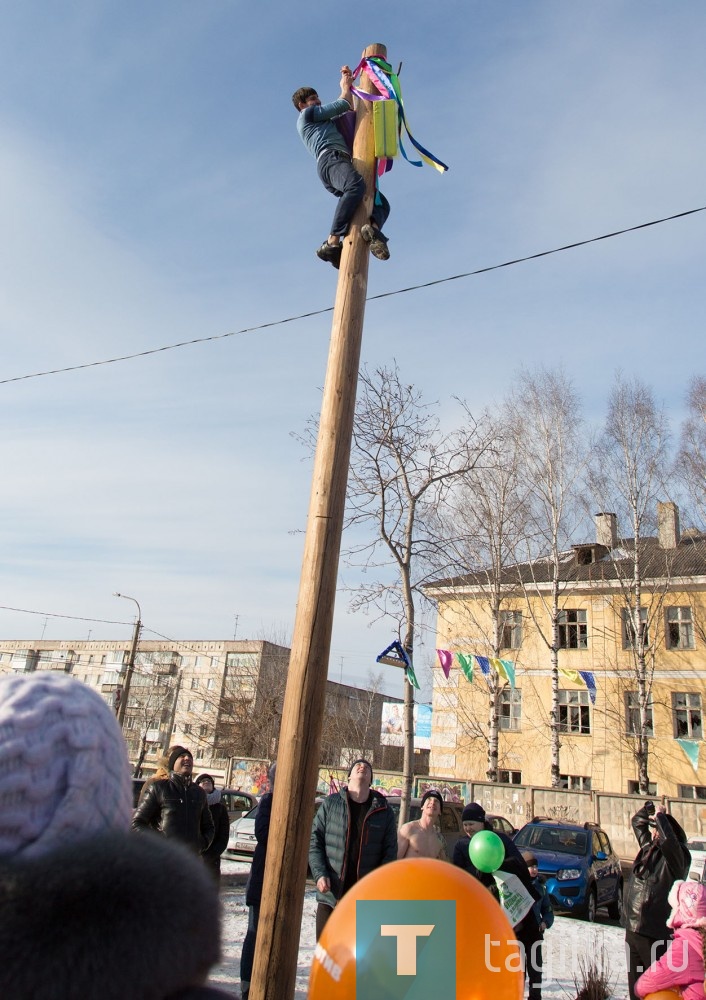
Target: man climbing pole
(317, 127)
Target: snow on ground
(568, 944)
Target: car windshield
(543, 838)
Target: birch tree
(690, 466)
(544, 412)
(628, 476)
(487, 527)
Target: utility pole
(274, 973)
(125, 693)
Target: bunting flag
(590, 682)
(466, 664)
(446, 660)
(504, 669)
(484, 664)
(387, 84)
(583, 677)
(691, 749)
(411, 677)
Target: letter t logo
(406, 935)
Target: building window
(629, 628)
(634, 788)
(205, 706)
(203, 730)
(573, 630)
(187, 728)
(510, 777)
(510, 708)
(692, 791)
(575, 782)
(574, 712)
(680, 628)
(511, 629)
(194, 683)
(210, 684)
(632, 715)
(686, 706)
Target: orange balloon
(664, 995)
(417, 923)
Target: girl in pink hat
(682, 965)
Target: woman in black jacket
(662, 858)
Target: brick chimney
(607, 530)
(668, 525)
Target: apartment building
(598, 704)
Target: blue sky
(153, 190)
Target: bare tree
(488, 523)
(403, 471)
(690, 465)
(628, 476)
(544, 412)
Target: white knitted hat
(64, 771)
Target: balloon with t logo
(486, 851)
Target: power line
(371, 298)
(76, 618)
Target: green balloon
(486, 851)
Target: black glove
(649, 807)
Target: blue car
(578, 865)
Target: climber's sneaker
(377, 240)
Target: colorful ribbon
(387, 83)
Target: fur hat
(175, 753)
(203, 777)
(688, 903)
(529, 857)
(433, 793)
(64, 770)
(115, 916)
(361, 760)
(473, 813)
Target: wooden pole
(274, 973)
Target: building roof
(593, 563)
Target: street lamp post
(131, 660)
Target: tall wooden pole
(274, 973)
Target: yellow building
(597, 697)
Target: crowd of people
(94, 904)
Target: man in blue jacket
(334, 165)
(354, 832)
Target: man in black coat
(663, 857)
(176, 807)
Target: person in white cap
(88, 909)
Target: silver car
(241, 843)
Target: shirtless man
(421, 838)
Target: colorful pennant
(505, 669)
(466, 664)
(446, 660)
(584, 677)
(691, 749)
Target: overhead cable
(371, 298)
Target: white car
(697, 849)
(241, 843)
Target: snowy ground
(569, 943)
